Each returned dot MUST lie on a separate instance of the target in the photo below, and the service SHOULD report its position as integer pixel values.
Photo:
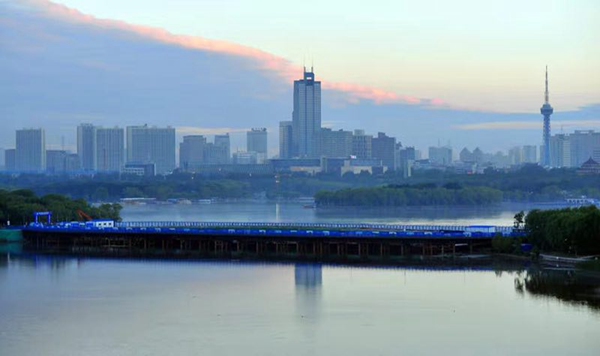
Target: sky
(468, 73)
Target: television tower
(546, 110)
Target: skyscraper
(223, 144)
(306, 117)
(110, 149)
(362, 145)
(336, 143)
(384, 148)
(30, 151)
(256, 141)
(285, 139)
(191, 152)
(155, 145)
(86, 146)
(546, 110)
(10, 160)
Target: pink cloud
(265, 61)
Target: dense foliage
(530, 183)
(393, 195)
(571, 231)
(18, 207)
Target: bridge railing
(225, 224)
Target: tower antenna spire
(546, 93)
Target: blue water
(82, 306)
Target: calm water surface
(81, 306)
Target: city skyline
(91, 68)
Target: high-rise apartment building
(191, 152)
(30, 153)
(336, 143)
(572, 150)
(151, 145)
(256, 141)
(384, 148)
(110, 149)
(405, 157)
(362, 145)
(223, 145)
(440, 156)
(86, 146)
(583, 145)
(530, 154)
(515, 156)
(560, 149)
(56, 161)
(285, 139)
(10, 158)
(306, 117)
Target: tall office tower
(110, 149)
(306, 118)
(384, 148)
(362, 145)
(86, 146)
(191, 152)
(560, 149)
(546, 110)
(530, 154)
(56, 161)
(10, 160)
(285, 139)
(336, 143)
(223, 144)
(256, 141)
(440, 155)
(151, 145)
(30, 154)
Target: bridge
(313, 241)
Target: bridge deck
(300, 230)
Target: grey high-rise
(86, 146)
(285, 139)
(110, 149)
(306, 118)
(546, 110)
(151, 145)
(256, 141)
(30, 152)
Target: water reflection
(569, 286)
(37, 261)
(308, 279)
(10, 248)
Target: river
(56, 305)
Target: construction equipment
(83, 216)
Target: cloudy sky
(468, 73)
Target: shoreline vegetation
(17, 208)
(528, 184)
(404, 195)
